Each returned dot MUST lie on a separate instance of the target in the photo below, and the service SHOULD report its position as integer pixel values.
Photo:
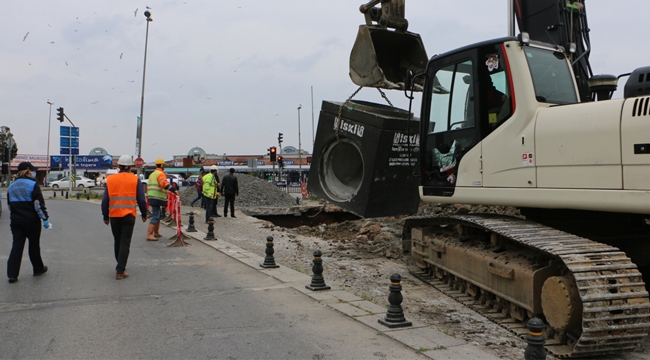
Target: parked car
(80, 182)
(177, 179)
(191, 181)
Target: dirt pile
(253, 192)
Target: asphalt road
(190, 302)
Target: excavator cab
(380, 56)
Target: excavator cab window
(552, 76)
(451, 121)
(467, 96)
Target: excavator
(519, 121)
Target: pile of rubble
(253, 192)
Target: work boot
(150, 230)
(155, 231)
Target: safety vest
(209, 186)
(122, 194)
(153, 188)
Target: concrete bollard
(317, 280)
(395, 314)
(190, 227)
(535, 339)
(210, 234)
(269, 260)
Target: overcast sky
(227, 76)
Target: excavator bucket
(381, 57)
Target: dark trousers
(210, 208)
(229, 199)
(122, 229)
(199, 196)
(22, 230)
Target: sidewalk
(424, 339)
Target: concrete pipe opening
(342, 170)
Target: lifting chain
(346, 102)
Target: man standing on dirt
(229, 189)
(211, 193)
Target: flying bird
(66, 63)
(51, 42)
(25, 37)
(148, 7)
(135, 13)
(93, 103)
(121, 56)
(181, 86)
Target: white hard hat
(125, 160)
(214, 167)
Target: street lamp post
(299, 148)
(138, 143)
(49, 123)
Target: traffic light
(272, 153)
(280, 162)
(60, 115)
(280, 138)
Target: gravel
(253, 193)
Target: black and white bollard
(269, 260)
(190, 227)
(395, 314)
(210, 234)
(317, 280)
(535, 339)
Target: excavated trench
(304, 216)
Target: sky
(228, 76)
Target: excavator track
(615, 310)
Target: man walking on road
(211, 192)
(229, 189)
(157, 188)
(122, 195)
(27, 207)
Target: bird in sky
(25, 37)
(66, 63)
(122, 54)
(135, 13)
(51, 42)
(148, 7)
(94, 102)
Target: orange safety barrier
(176, 211)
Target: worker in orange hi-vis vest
(122, 196)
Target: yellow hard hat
(160, 161)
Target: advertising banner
(84, 162)
(39, 161)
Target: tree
(5, 135)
